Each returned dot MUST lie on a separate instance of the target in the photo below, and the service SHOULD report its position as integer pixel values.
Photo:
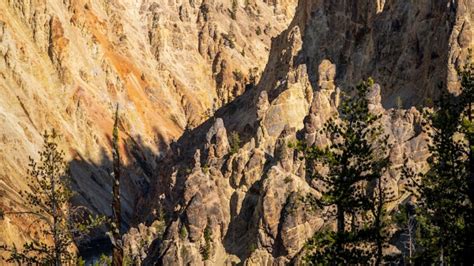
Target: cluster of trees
(435, 226)
(58, 223)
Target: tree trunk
(340, 227)
(378, 223)
(57, 248)
(117, 253)
(468, 254)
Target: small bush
(252, 247)
(399, 103)
(234, 142)
(206, 249)
(183, 233)
(205, 169)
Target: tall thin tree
(117, 253)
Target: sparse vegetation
(234, 142)
(48, 203)
(206, 249)
(205, 169)
(104, 260)
(204, 8)
(252, 247)
(444, 209)
(399, 103)
(183, 233)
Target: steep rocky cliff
(168, 64)
(244, 205)
(197, 74)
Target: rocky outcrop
(256, 213)
(253, 200)
(411, 49)
(168, 64)
(195, 74)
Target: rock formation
(195, 75)
(169, 65)
(251, 199)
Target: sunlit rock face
(250, 198)
(189, 76)
(168, 64)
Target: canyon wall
(248, 201)
(168, 64)
(191, 76)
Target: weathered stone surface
(187, 66)
(327, 47)
(65, 64)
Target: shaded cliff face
(410, 48)
(250, 198)
(168, 64)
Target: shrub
(234, 142)
(206, 249)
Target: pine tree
(48, 201)
(351, 170)
(445, 193)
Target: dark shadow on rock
(92, 184)
(404, 47)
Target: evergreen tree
(445, 193)
(351, 170)
(48, 201)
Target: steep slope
(168, 64)
(247, 200)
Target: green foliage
(445, 214)
(252, 247)
(356, 160)
(404, 217)
(205, 169)
(81, 262)
(183, 233)
(206, 249)
(48, 201)
(399, 103)
(104, 260)
(234, 142)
